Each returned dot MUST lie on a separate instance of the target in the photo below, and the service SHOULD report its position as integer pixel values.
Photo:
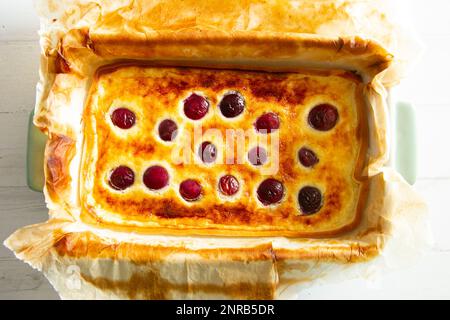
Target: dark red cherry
(270, 191)
(323, 117)
(307, 157)
(267, 123)
(195, 106)
(228, 185)
(156, 177)
(167, 130)
(310, 200)
(121, 178)
(207, 152)
(123, 118)
(257, 156)
(232, 104)
(190, 190)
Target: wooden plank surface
(19, 281)
(428, 87)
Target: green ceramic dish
(35, 156)
(404, 151)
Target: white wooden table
(428, 88)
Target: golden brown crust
(340, 173)
(152, 285)
(290, 50)
(58, 154)
(307, 32)
(76, 247)
(91, 246)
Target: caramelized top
(191, 202)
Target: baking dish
(113, 263)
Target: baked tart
(210, 149)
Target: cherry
(257, 156)
(195, 107)
(267, 123)
(270, 191)
(167, 130)
(121, 178)
(307, 157)
(207, 152)
(156, 177)
(310, 200)
(323, 117)
(123, 118)
(228, 185)
(190, 190)
(232, 104)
